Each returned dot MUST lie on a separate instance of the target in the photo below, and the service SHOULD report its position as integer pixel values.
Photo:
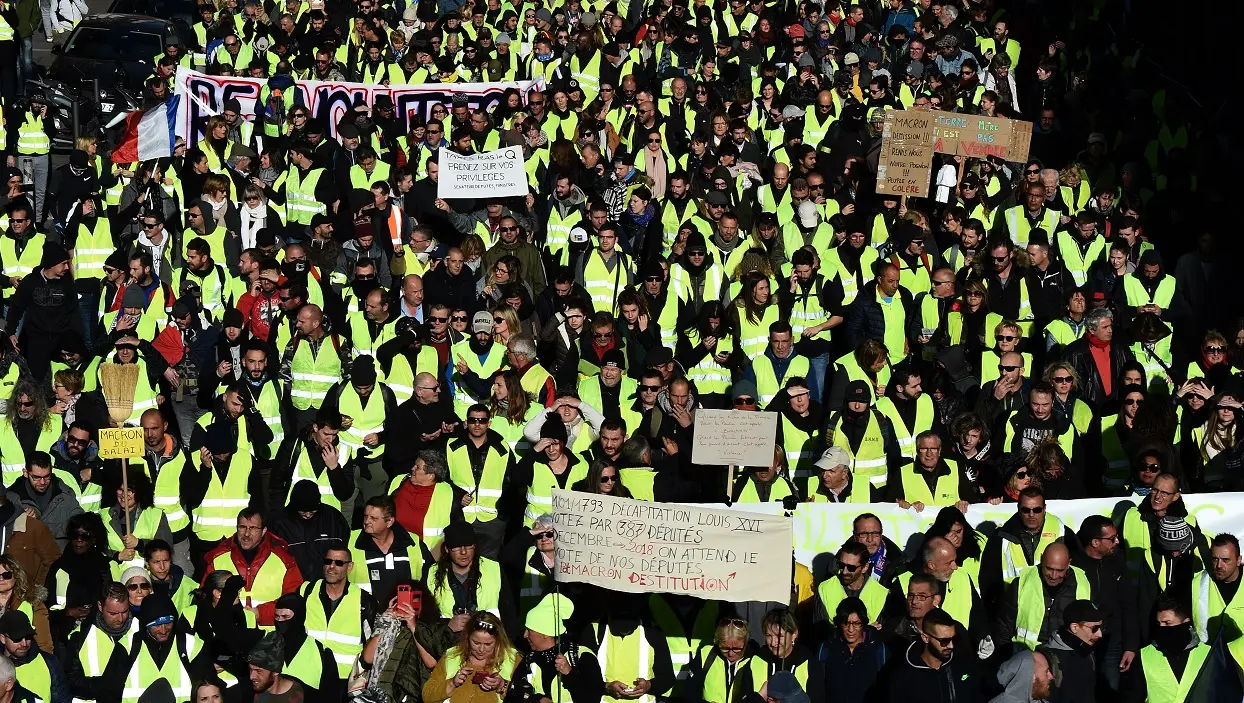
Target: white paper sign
(641, 547)
(734, 438)
(495, 174)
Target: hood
(1016, 677)
(1151, 257)
(575, 198)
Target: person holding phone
(478, 669)
(415, 637)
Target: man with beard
(374, 325)
(112, 626)
(1028, 427)
(324, 248)
(679, 207)
(266, 662)
(698, 277)
(928, 671)
(166, 462)
(133, 667)
(866, 434)
(243, 420)
(365, 405)
(1026, 677)
(476, 359)
(76, 457)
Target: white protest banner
(494, 174)
(734, 438)
(822, 527)
(641, 547)
(329, 101)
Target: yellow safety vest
(873, 594)
(144, 528)
(12, 457)
(304, 471)
(754, 336)
(603, 285)
(1161, 686)
(300, 202)
(144, 672)
(1020, 229)
(12, 264)
(1014, 561)
(1210, 613)
(540, 492)
(1030, 613)
(907, 436)
(627, 659)
(341, 634)
(217, 516)
(491, 363)
(487, 590)
(367, 420)
(767, 382)
(31, 139)
(313, 374)
(92, 249)
(916, 489)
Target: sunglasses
(498, 320)
(1021, 475)
(1132, 401)
(1007, 338)
(1007, 368)
(1215, 350)
(654, 279)
(943, 641)
(150, 225)
(546, 535)
(435, 318)
(1061, 379)
(477, 421)
(738, 402)
(81, 536)
(849, 567)
(602, 335)
(138, 587)
(1032, 511)
(335, 562)
(1004, 257)
(1153, 467)
(6, 576)
(608, 479)
(458, 318)
(650, 389)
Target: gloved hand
(233, 586)
(972, 474)
(790, 502)
(985, 649)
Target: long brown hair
(517, 404)
(755, 313)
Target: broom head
(117, 381)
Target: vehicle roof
(112, 19)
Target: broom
(117, 382)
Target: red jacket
(271, 547)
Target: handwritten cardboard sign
(734, 438)
(121, 443)
(906, 161)
(495, 174)
(640, 547)
(979, 136)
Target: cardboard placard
(641, 547)
(905, 166)
(121, 443)
(734, 438)
(495, 174)
(979, 136)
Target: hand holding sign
(495, 174)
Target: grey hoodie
(1016, 676)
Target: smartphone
(404, 595)
(478, 677)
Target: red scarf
(1093, 340)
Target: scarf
(877, 562)
(253, 220)
(1094, 341)
(657, 170)
(219, 210)
(268, 176)
(538, 141)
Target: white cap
(833, 458)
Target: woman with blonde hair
(1074, 188)
(709, 677)
(1067, 401)
(478, 669)
(505, 323)
(18, 593)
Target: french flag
(148, 133)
